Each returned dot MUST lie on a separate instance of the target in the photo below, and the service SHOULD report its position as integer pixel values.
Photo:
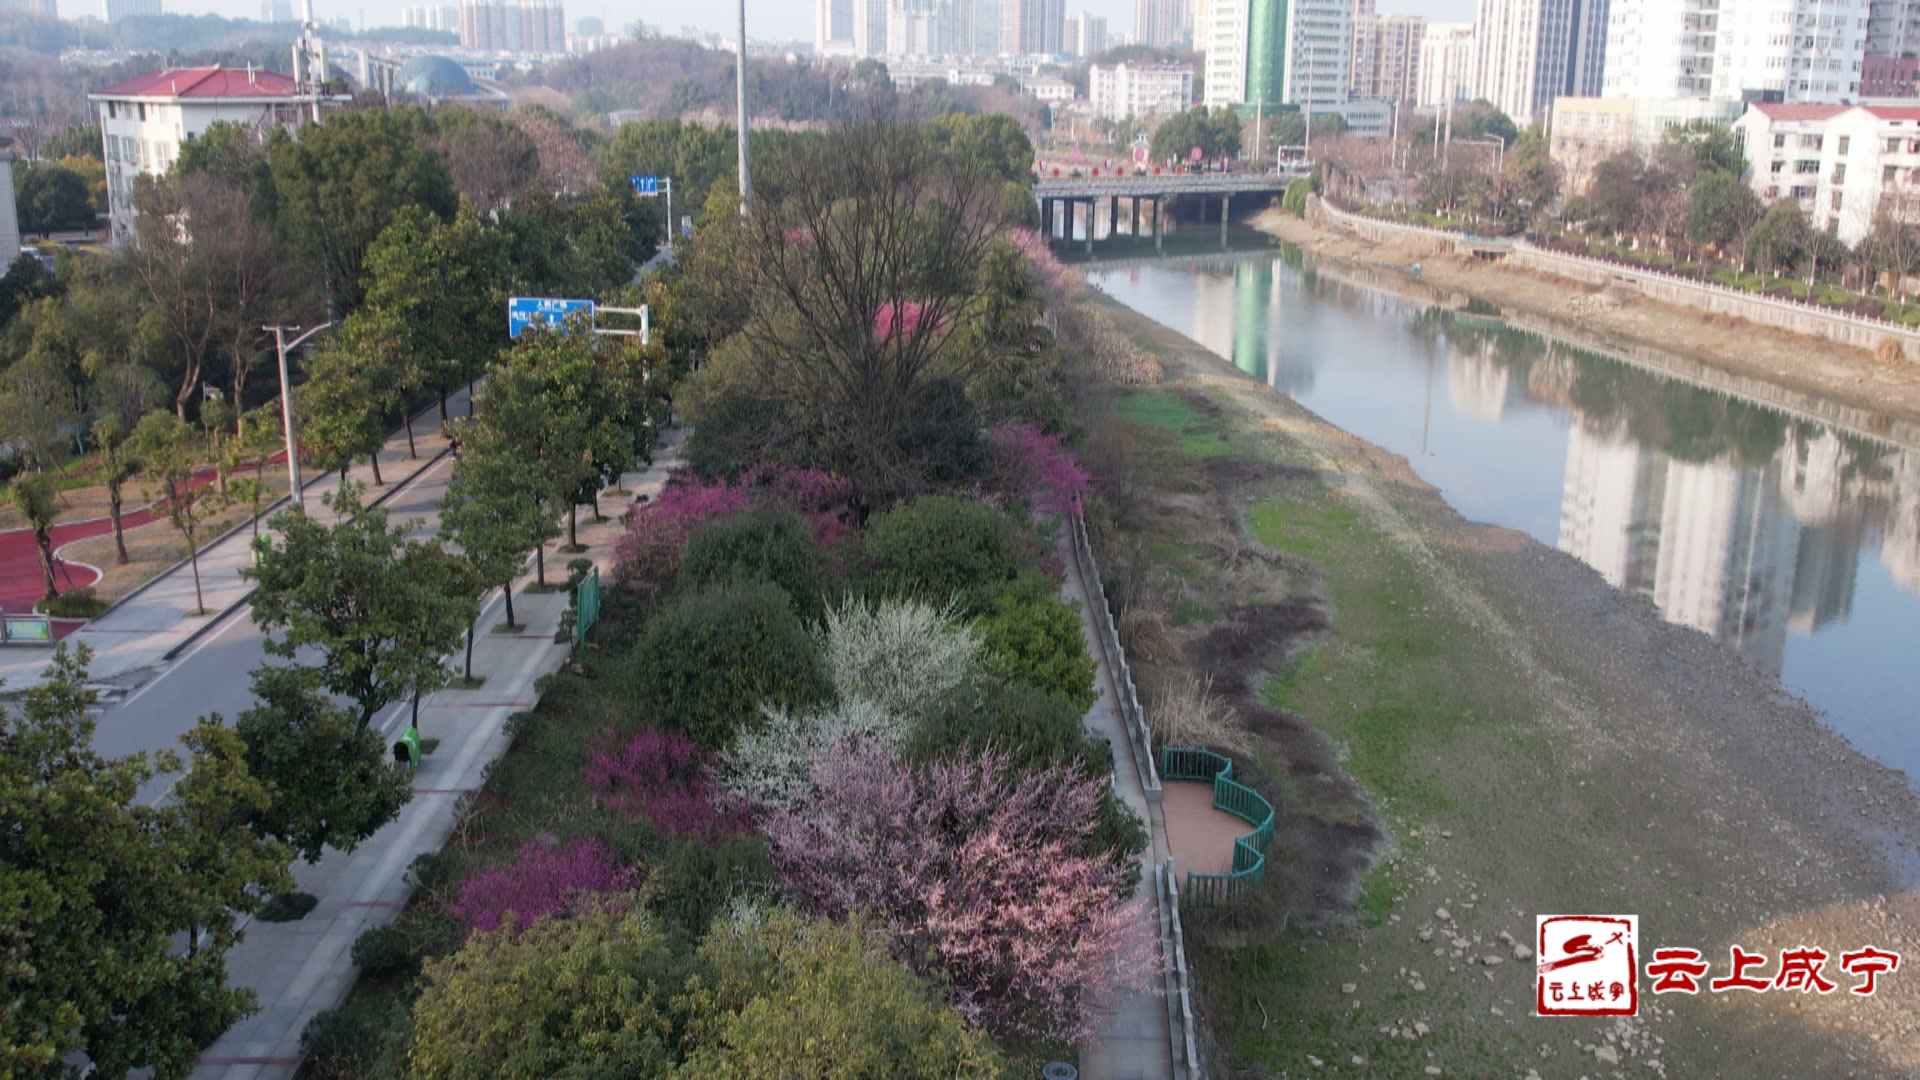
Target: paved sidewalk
(139, 632)
(1137, 1044)
(301, 968)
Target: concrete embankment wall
(1806, 319)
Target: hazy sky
(791, 19)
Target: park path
(299, 969)
(1137, 1043)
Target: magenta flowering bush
(974, 870)
(539, 881)
(649, 553)
(662, 778)
(1034, 467)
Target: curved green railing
(1185, 763)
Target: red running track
(22, 583)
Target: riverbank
(1805, 364)
(1463, 729)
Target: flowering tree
(662, 778)
(1034, 466)
(539, 880)
(973, 869)
(649, 554)
(900, 654)
(772, 766)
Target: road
(214, 675)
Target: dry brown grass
(1145, 634)
(1187, 712)
(153, 548)
(1888, 351)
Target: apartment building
(1841, 163)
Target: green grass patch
(1283, 688)
(1302, 529)
(1189, 611)
(1195, 433)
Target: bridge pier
(1159, 230)
(1226, 208)
(1136, 219)
(1093, 211)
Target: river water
(1794, 542)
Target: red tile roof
(1800, 112)
(204, 83)
(1894, 112)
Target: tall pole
(746, 180)
(286, 424)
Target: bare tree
(859, 268)
(490, 161)
(566, 167)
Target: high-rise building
(1661, 48)
(833, 27)
(919, 27)
(46, 9)
(9, 213)
(1128, 91)
(1386, 56)
(1085, 35)
(1446, 63)
(590, 26)
(116, 10)
(1893, 27)
(1163, 24)
(1528, 52)
(1805, 51)
(276, 11)
(1277, 52)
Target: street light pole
(283, 346)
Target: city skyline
(781, 19)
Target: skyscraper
(1163, 23)
(1528, 52)
(1386, 56)
(115, 10)
(1819, 62)
(833, 26)
(1661, 48)
(1446, 63)
(1276, 52)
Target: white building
(1893, 27)
(1446, 63)
(144, 121)
(1319, 59)
(1049, 88)
(1386, 56)
(1163, 23)
(1806, 50)
(1528, 52)
(1661, 48)
(1839, 162)
(9, 215)
(1278, 52)
(1086, 35)
(1128, 91)
(115, 10)
(1220, 33)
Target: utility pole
(283, 346)
(746, 179)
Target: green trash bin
(407, 750)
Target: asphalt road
(215, 675)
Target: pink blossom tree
(664, 779)
(1036, 468)
(540, 880)
(649, 554)
(975, 869)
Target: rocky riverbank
(1819, 367)
(1464, 729)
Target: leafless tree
(859, 265)
(565, 165)
(490, 161)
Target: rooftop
(1799, 112)
(203, 83)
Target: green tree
(371, 601)
(590, 995)
(490, 512)
(1531, 176)
(1215, 132)
(32, 495)
(525, 412)
(119, 912)
(778, 995)
(113, 444)
(1712, 145)
(169, 452)
(350, 390)
(1721, 208)
(995, 140)
(1614, 192)
(1781, 238)
(330, 778)
(51, 196)
(444, 284)
(342, 182)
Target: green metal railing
(586, 608)
(1193, 765)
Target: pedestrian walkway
(155, 621)
(299, 969)
(1137, 1043)
(1200, 836)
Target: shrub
(587, 996)
(902, 655)
(737, 429)
(360, 1038)
(768, 544)
(80, 603)
(789, 997)
(540, 880)
(662, 778)
(648, 555)
(944, 550)
(770, 767)
(706, 663)
(974, 870)
(383, 950)
(695, 882)
(1295, 200)
(1038, 640)
(1033, 467)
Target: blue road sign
(524, 311)
(645, 185)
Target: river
(1792, 541)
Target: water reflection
(1795, 543)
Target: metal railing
(1186, 763)
(1139, 736)
(1179, 980)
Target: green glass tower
(1267, 52)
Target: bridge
(1060, 198)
